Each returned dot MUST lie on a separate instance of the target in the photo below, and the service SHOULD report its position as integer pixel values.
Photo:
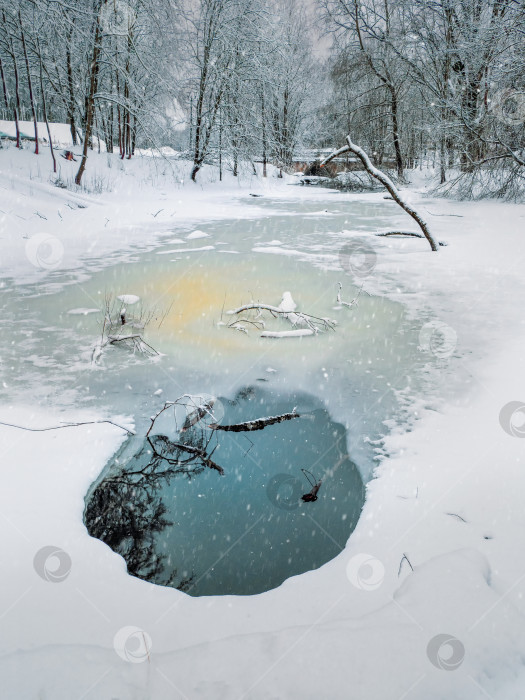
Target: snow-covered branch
(258, 424)
(386, 182)
(307, 323)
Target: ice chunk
(197, 234)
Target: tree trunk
(442, 161)
(195, 170)
(220, 146)
(127, 124)
(119, 117)
(71, 90)
(4, 86)
(199, 116)
(395, 130)
(473, 147)
(45, 115)
(263, 124)
(16, 103)
(90, 103)
(29, 81)
(111, 126)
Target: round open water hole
(178, 522)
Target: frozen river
(236, 533)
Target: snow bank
(60, 133)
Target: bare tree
(388, 184)
(366, 26)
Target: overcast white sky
(323, 43)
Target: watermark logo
(132, 644)
(512, 418)
(445, 652)
(45, 251)
(284, 491)
(508, 106)
(52, 564)
(365, 572)
(117, 18)
(358, 258)
(437, 338)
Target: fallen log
(258, 424)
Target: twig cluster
(122, 328)
(302, 323)
(355, 300)
(200, 426)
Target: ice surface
(83, 312)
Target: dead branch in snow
(197, 409)
(458, 216)
(406, 234)
(412, 234)
(275, 310)
(238, 327)
(262, 307)
(189, 449)
(260, 325)
(404, 558)
(387, 183)
(258, 424)
(287, 310)
(311, 496)
(459, 517)
(354, 302)
(123, 328)
(67, 425)
(134, 342)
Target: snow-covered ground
(60, 133)
(121, 203)
(446, 501)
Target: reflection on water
(177, 522)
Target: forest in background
(415, 82)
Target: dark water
(178, 522)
